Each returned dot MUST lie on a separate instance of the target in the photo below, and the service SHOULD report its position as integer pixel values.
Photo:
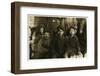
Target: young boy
(73, 48)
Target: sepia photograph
(57, 37)
(52, 37)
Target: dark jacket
(59, 46)
(73, 47)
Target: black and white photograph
(57, 37)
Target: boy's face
(41, 29)
(72, 31)
(61, 32)
(47, 34)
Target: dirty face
(41, 29)
(72, 31)
(47, 34)
(61, 32)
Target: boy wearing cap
(73, 48)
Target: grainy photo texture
(56, 37)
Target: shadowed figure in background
(32, 31)
(82, 38)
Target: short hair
(73, 28)
(60, 27)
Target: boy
(72, 42)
